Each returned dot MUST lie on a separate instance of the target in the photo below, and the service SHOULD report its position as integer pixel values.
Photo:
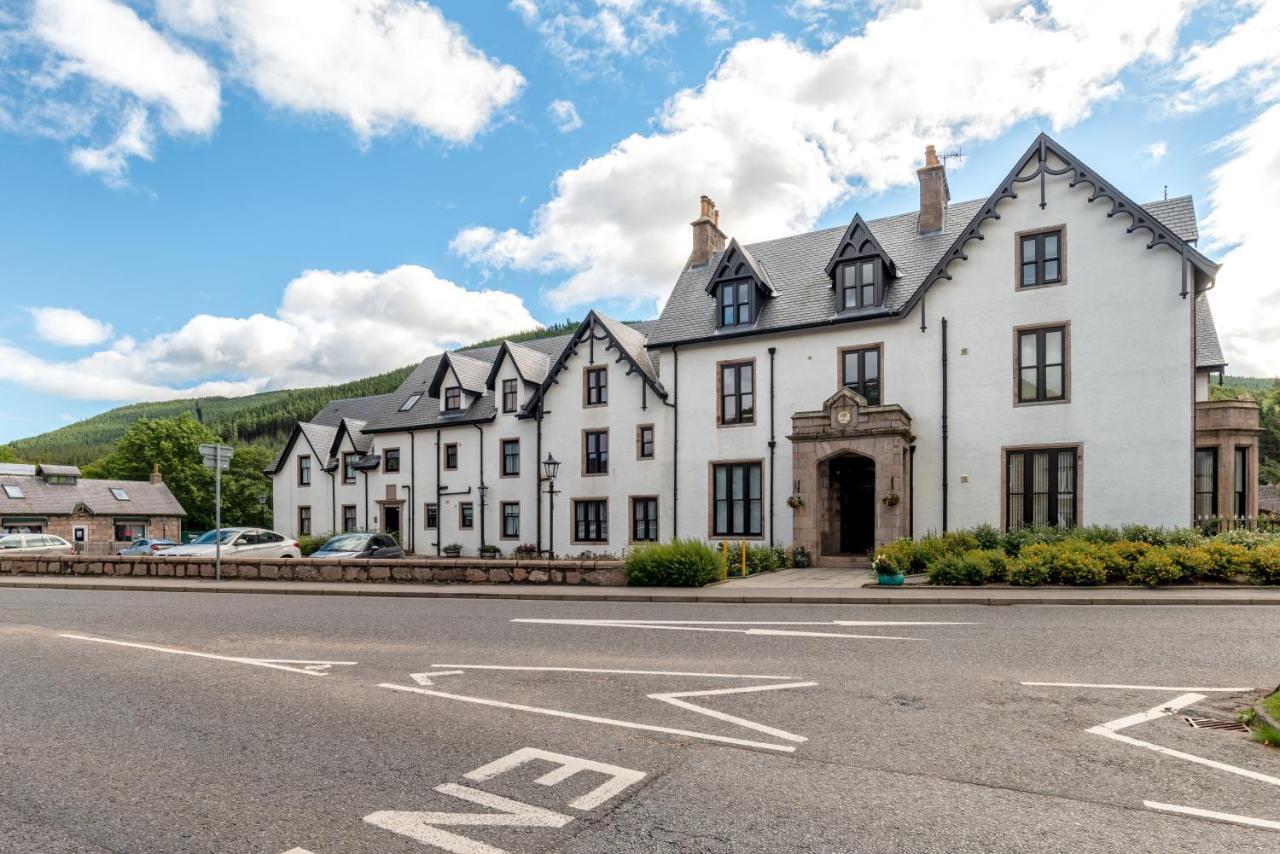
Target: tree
(174, 445)
(243, 483)
(7, 455)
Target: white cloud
(330, 326)
(565, 115)
(111, 161)
(69, 327)
(778, 134)
(1155, 152)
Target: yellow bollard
(742, 547)
(724, 559)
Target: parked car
(35, 544)
(237, 542)
(146, 546)
(359, 546)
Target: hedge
(682, 563)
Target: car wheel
(286, 557)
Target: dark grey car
(348, 546)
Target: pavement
(143, 721)
(797, 586)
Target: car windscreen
(209, 537)
(346, 543)
(12, 541)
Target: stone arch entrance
(852, 469)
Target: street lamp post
(262, 510)
(550, 468)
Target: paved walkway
(742, 591)
(809, 578)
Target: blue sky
(227, 196)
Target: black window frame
(646, 442)
(730, 310)
(431, 515)
(304, 470)
(644, 519)
(510, 459)
(749, 500)
(871, 388)
(1026, 492)
(349, 466)
(507, 531)
(510, 395)
(595, 460)
(453, 398)
(595, 385)
(1037, 264)
(589, 526)
(859, 287)
(450, 453)
(129, 526)
(391, 460)
(1042, 365)
(1240, 484)
(1210, 454)
(466, 515)
(737, 396)
(304, 520)
(350, 521)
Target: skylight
(119, 493)
(13, 490)
(410, 401)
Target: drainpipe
(439, 489)
(365, 473)
(333, 501)
(412, 489)
(483, 489)
(537, 479)
(911, 493)
(773, 444)
(944, 425)
(675, 441)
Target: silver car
(35, 544)
(237, 542)
(146, 546)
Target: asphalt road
(818, 738)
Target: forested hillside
(1267, 392)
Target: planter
(890, 580)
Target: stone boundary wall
(413, 570)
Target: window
(348, 518)
(410, 401)
(510, 395)
(860, 371)
(1206, 479)
(734, 300)
(1041, 488)
(453, 398)
(1042, 364)
(644, 442)
(391, 460)
(1240, 506)
(450, 457)
(595, 386)
(349, 467)
(60, 479)
(1040, 259)
(126, 531)
(595, 452)
(119, 494)
(737, 505)
(644, 520)
(858, 284)
(431, 512)
(466, 515)
(304, 470)
(13, 490)
(304, 521)
(510, 457)
(737, 393)
(510, 520)
(591, 521)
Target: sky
(227, 196)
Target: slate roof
(796, 268)
(58, 471)
(51, 499)
(362, 408)
(1208, 349)
(531, 364)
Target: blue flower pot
(890, 580)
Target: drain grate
(1213, 723)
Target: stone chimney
(934, 193)
(155, 473)
(708, 239)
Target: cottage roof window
(119, 494)
(410, 401)
(13, 490)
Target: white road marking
(604, 670)
(425, 678)
(569, 766)
(1217, 816)
(298, 851)
(1135, 687)
(1112, 729)
(421, 826)
(674, 699)
(273, 663)
(640, 624)
(608, 621)
(556, 713)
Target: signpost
(217, 457)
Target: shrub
(682, 563)
(1192, 562)
(1019, 538)
(490, 550)
(1078, 565)
(959, 542)
(1265, 564)
(1127, 553)
(1153, 568)
(309, 544)
(782, 557)
(1096, 534)
(991, 564)
(759, 559)
(926, 551)
(526, 550)
(800, 557)
(1185, 537)
(988, 537)
(1225, 560)
(1145, 534)
(1248, 538)
(1028, 575)
(953, 569)
(891, 559)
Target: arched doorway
(850, 527)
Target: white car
(35, 544)
(238, 542)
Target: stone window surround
(653, 438)
(1051, 446)
(429, 509)
(1065, 326)
(729, 363)
(348, 467)
(304, 516)
(502, 457)
(573, 520)
(463, 508)
(386, 460)
(853, 348)
(1061, 228)
(586, 431)
(711, 502)
(449, 447)
(354, 516)
(502, 519)
(631, 522)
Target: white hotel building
(1039, 356)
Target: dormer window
(735, 303)
(859, 284)
(453, 398)
(410, 401)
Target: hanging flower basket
(891, 500)
(795, 502)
